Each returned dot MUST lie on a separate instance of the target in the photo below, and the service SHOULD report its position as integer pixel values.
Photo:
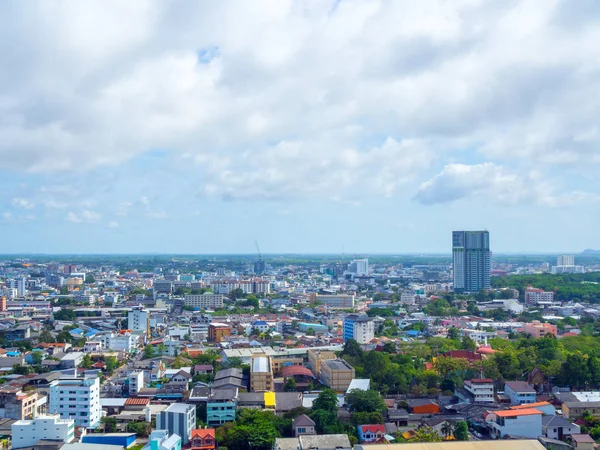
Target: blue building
(121, 439)
(221, 406)
(519, 392)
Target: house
(161, 440)
(544, 407)
(519, 392)
(423, 406)
(480, 390)
(371, 434)
(181, 377)
(556, 427)
(303, 425)
(523, 423)
(582, 441)
(203, 369)
(203, 439)
(399, 417)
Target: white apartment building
(125, 342)
(178, 418)
(361, 328)
(77, 399)
(535, 296)
(138, 319)
(359, 267)
(204, 301)
(26, 433)
(565, 260)
(136, 382)
(407, 298)
(342, 301)
(482, 389)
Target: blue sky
(368, 126)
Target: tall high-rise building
(359, 267)
(77, 399)
(565, 260)
(471, 260)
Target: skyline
(364, 127)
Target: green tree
(446, 429)
(365, 401)
(352, 348)
(111, 363)
(290, 385)
(86, 362)
(468, 343)
(46, 336)
(366, 418)
(453, 333)
(37, 357)
(326, 401)
(149, 352)
(461, 431)
(89, 278)
(426, 434)
(65, 314)
(109, 423)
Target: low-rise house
(303, 425)
(582, 442)
(523, 423)
(423, 406)
(203, 439)
(309, 442)
(161, 440)
(544, 407)
(371, 434)
(519, 392)
(556, 427)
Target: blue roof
(76, 331)
(413, 332)
(260, 322)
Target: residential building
(136, 382)
(423, 406)
(261, 374)
(519, 392)
(565, 260)
(523, 423)
(371, 434)
(582, 442)
(204, 301)
(203, 439)
(26, 433)
(545, 407)
(340, 301)
(303, 425)
(77, 399)
(359, 267)
(2, 303)
(315, 357)
(535, 296)
(361, 328)
(17, 404)
(556, 427)
(336, 374)
(538, 329)
(163, 440)
(122, 342)
(178, 418)
(221, 406)
(260, 325)
(71, 360)
(482, 389)
(138, 320)
(471, 259)
(217, 331)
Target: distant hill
(590, 251)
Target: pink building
(538, 329)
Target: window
(301, 430)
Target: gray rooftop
(337, 364)
(180, 408)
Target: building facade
(535, 296)
(482, 389)
(361, 328)
(336, 374)
(77, 399)
(261, 374)
(204, 301)
(519, 392)
(471, 260)
(18, 405)
(138, 319)
(178, 418)
(523, 423)
(26, 433)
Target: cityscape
(300, 351)
(299, 225)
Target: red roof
(203, 432)
(373, 428)
(516, 413)
(137, 401)
(290, 371)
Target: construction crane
(257, 250)
(259, 266)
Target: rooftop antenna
(257, 250)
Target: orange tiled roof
(137, 401)
(203, 433)
(515, 413)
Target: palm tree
(446, 429)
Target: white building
(482, 389)
(342, 301)
(136, 382)
(204, 301)
(565, 260)
(178, 418)
(361, 328)
(125, 342)
(138, 319)
(77, 399)
(407, 298)
(26, 433)
(359, 267)
(21, 287)
(160, 440)
(535, 296)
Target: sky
(314, 126)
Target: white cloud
(22, 203)
(496, 184)
(113, 224)
(85, 215)
(292, 99)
